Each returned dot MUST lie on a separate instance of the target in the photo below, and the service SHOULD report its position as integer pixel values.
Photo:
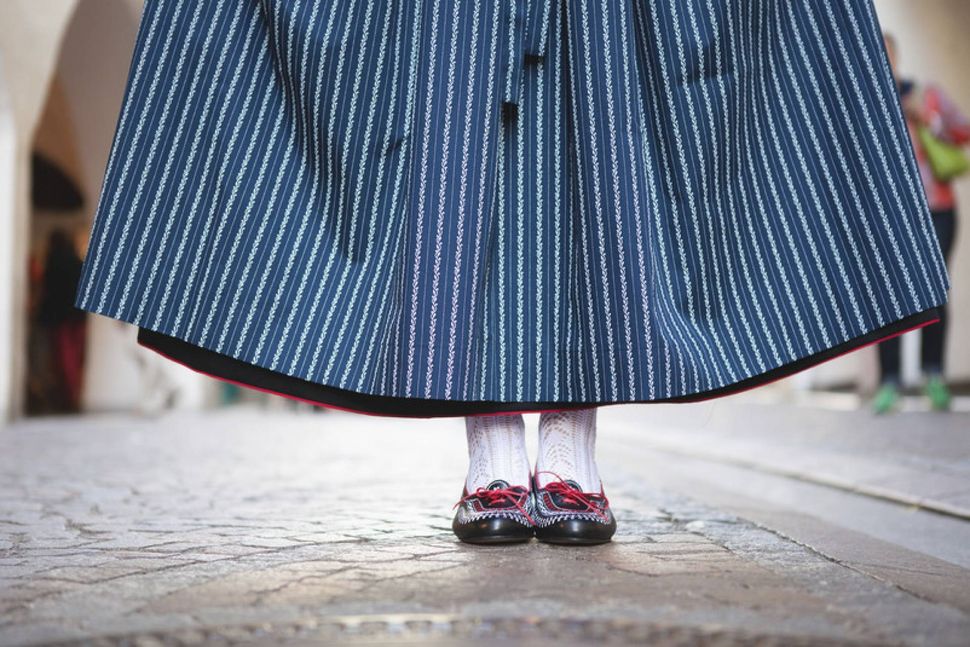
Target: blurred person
(63, 323)
(471, 209)
(925, 105)
(39, 364)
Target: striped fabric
(512, 200)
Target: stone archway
(75, 132)
(69, 58)
(8, 208)
(30, 38)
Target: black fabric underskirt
(235, 371)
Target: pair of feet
(559, 512)
(888, 396)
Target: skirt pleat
(344, 200)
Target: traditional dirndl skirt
(447, 207)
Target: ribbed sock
(496, 450)
(567, 446)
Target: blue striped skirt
(435, 208)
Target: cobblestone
(245, 526)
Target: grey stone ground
(253, 526)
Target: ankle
(567, 446)
(496, 451)
(544, 477)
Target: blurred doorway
(69, 152)
(55, 329)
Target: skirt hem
(229, 369)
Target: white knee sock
(496, 450)
(567, 446)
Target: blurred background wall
(30, 35)
(63, 66)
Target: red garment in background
(930, 105)
(67, 357)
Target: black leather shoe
(497, 514)
(564, 514)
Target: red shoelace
(512, 494)
(571, 494)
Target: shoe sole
(495, 541)
(574, 541)
(576, 532)
(493, 531)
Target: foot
(938, 393)
(496, 514)
(565, 514)
(887, 398)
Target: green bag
(946, 160)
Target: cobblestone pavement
(246, 526)
(915, 458)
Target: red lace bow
(495, 496)
(571, 494)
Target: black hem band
(239, 372)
